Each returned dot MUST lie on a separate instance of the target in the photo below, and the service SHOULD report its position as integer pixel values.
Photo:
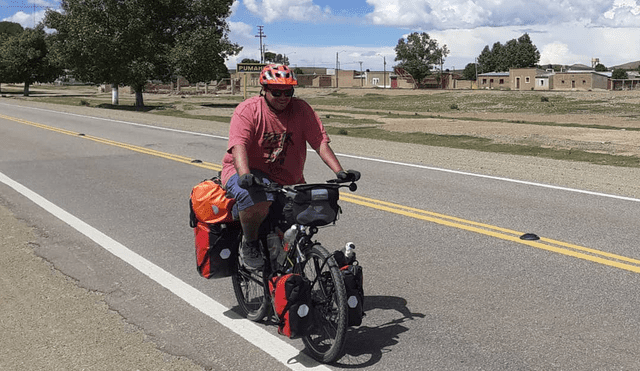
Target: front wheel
(249, 289)
(326, 340)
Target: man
(268, 140)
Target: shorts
(247, 197)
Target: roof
(494, 74)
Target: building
(529, 79)
(581, 80)
(494, 80)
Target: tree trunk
(114, 94)
(139, 100)
(26, 89)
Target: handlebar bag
(291, 295)
(313, 205)
(209, 203)
(216, 248)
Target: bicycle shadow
(366, 345)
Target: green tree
(516, 53)
(249, 60)
(270, 57)
(525, 54)
(485, 61)
(601, 67)
(129, 42)
(26, 58)
(417, 55)
(469, 72)
(9, 29)
(619, 74)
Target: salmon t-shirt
(276, 142)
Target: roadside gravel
(42, 311)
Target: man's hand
(348, 175)
(247, 180)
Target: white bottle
(289, 238)
(349, 252)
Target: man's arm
(326, 154)
(240, 159)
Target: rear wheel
(326, 340)
(249, 289)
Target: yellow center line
(564, 248)
(148, 151)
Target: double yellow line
(568, 249)
(147, 151)
(564, 248)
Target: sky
(363, 33)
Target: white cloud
(452, 14)
(26, 20)
(279, 10)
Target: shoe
(250, 255)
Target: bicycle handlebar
(275, 187)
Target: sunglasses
(278, 93)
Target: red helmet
(277, 74)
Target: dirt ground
(500, 127)
(510, 127)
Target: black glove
(349, 175)
(247, 180)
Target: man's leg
(252, 217)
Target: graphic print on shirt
(275, 145)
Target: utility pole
(384, 73)
(261, 35)
(337, 70)
(361, 83)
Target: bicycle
(325, 342)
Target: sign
(250, 67)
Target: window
(484, 81)
(491, 81)
(501, 81)
(584, 82)
(541, 82)
(527, 80)
(375, 81)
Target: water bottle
(349, 252)
(289, 238)
(288, 242)
(275, 245)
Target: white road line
(273, 345)
(598, 194)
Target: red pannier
(216, 234)
(291, 295)
(216, 248)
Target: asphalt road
(449, 284)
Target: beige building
(580, 80)
(494, 80)
(527, 79)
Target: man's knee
(258, 211)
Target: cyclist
(268, 139)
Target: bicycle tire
(325, 342)
(249, 290)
